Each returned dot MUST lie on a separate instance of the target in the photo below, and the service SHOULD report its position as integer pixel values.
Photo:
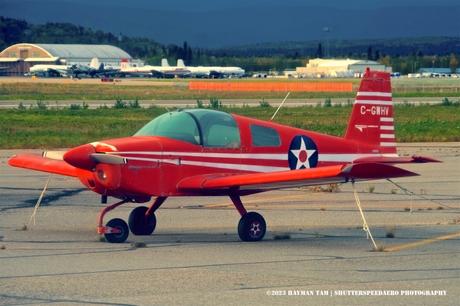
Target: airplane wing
(40, 163)
(58, 72)
(293, 178)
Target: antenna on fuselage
(284, 100)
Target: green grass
(174, 90)
(59, 128)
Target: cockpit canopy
(204, 127)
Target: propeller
(89, 155)
(57, 155)
(112, 159)
(108, 159)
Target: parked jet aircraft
(212, 71)
(50, 70)
(94, 69)
(164, 70)
(202, 152)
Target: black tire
(117, 237)
(252, 227)
(139, 224)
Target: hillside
(404, 54)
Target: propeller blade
(112, 159)
(108, 159)
(57, 155)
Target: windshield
(175, 125)
(218, 129)
(198, 126)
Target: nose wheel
(116, 231)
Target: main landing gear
(142, 221)
(252, 226)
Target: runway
(315, 251)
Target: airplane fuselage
(156, 164)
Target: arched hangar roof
(84, 51)
(66, 51)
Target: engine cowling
(109, 176)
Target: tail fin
(124, 63)
(164, 62)
(180, 63)
(95, 64)
(371, 120)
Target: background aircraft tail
(124, 64)
(164, 62)
(180, 63)
(371, 121)
(95, 64)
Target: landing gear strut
(252, 226)
(116, 230)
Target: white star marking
(309, 153)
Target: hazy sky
(216, 23)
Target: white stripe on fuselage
(345, 158)
(242, 167)
(213, 155)
(336, 158)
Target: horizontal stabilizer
(397, 160)
(374, 171)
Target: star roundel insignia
(303, 153)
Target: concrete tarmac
(315, 251)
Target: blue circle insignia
(303, 153)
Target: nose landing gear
(142, 221)
(116, 231)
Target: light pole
(327, 30)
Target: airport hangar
(17, 59)
(320, 68)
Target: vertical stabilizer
(180, 63)
(124, 64)
(371, 121)
(164, 62)
(95, 64)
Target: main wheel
(139, 223)
(252, 227)
(117, 237)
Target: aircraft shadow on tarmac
(24, 300)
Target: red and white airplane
(202, 152)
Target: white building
(323, 68)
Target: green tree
(453, 63)
(386, 60)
